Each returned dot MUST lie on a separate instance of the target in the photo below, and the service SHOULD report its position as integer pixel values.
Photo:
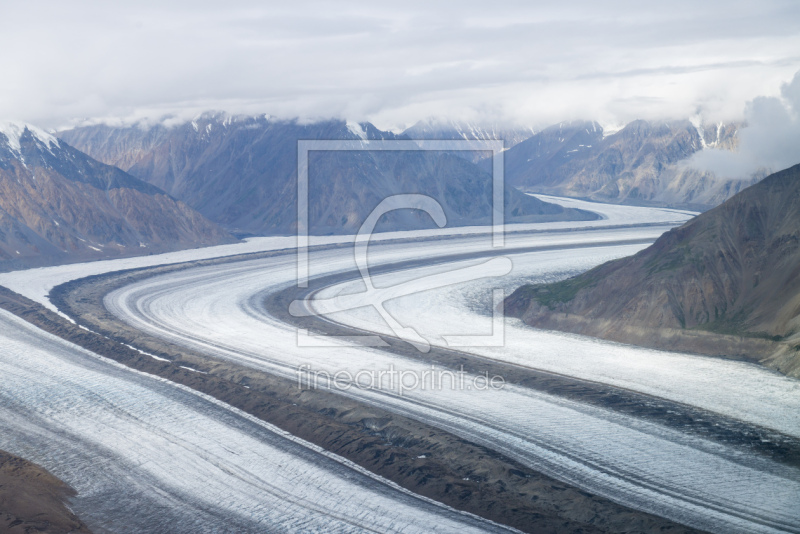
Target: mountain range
(433, 128)
(241, 172)
(233, 169)
(171, 185)
(725, 283)
(58, 204)
(643, 163)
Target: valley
(400, 267)
(163, 311)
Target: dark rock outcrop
(33, 500)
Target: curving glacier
(120, 437)
(147, 455)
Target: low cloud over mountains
(768, 142)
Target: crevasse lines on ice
(190, 462)
(184, 314)
(705, 509)
(736, 389)
(648, 468)
(717, 385)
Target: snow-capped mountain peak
(435, 128)
(357, 130)
(14, 131)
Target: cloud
(769, 142)
(527, 62)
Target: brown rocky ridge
(59, 205)
(33, 500)
(726, 283)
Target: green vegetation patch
(682, 256)
(558, 293)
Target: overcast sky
(529, 63)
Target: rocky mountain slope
(643, 163)
(241, 172)
(725, 283)
(33, 500)
(58, 204)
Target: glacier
(56, 389)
